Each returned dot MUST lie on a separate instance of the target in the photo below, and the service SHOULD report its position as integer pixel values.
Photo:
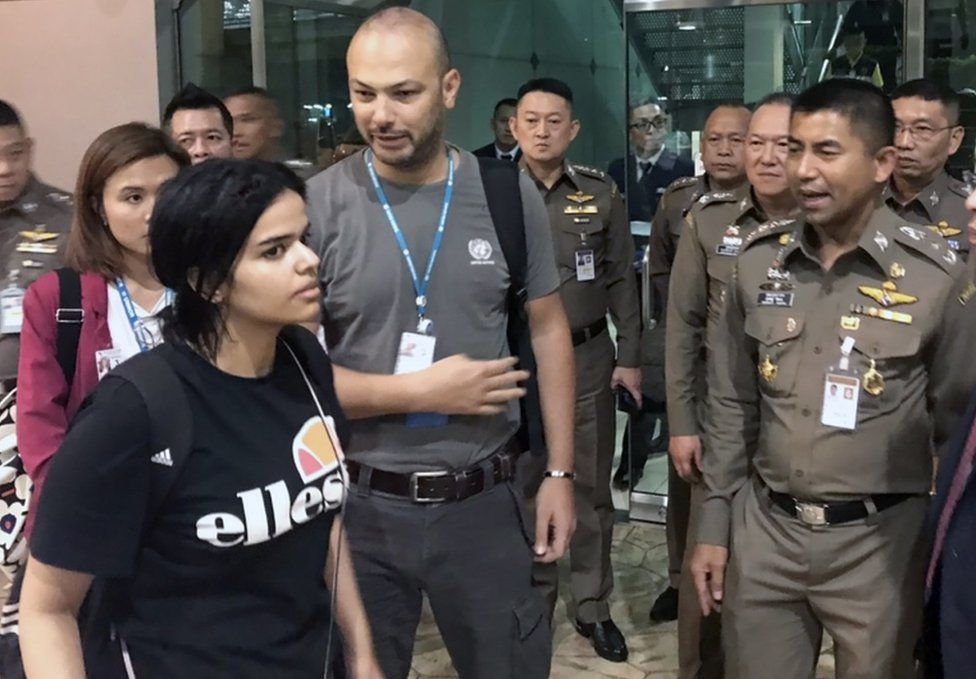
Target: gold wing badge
(579, 208)
(887, 295)
(944, 230)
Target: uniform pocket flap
(887, 342)
(770, 328)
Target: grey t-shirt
(369, 301)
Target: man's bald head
(396, 19)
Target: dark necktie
(645, 167)
(506, 156)
(956, 489)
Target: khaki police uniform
(714, 232)
(774, 470)
(666, 231)
(587, 215)
(941, 207)
(33, 234)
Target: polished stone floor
(640, 563)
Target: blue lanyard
(130, 311)
(419, 286)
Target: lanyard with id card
(842, 390)
(416, 349)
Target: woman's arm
(349, 612)
(50, 644)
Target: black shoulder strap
(501, 182)
(170, 419)
(69, 317)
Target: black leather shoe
(665, 608)
(607, 639)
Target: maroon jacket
(45, 403)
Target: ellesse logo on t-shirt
(317, 454)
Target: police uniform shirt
(715, 229)
(586, 213)
(902, 296)
(33, 234)
(940, 207)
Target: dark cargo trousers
(473, 559)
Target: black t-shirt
(227, 580)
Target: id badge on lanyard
(842, 390)
(11, 309)
(416, 349)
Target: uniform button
(828, 289)
(805, 412)
(798, 473)
(817, 349)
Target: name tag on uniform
(841, 393)
(585, 266)
(727, 250)
(775, 299)
(416, 352)
(11, 310)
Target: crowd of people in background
(260, 417)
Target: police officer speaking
(841, 359)
(594, 252)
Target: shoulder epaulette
(958, 188)
(681, 183)
(919, 240)
(591, 172)
(717, 197)
(763, 231)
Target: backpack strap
(503, 194)
(501, 181)
(69, 317)
(170, 419)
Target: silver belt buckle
(415, 483)
(811, 514)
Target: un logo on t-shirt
(480, 250)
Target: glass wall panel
(214, 45)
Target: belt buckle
(810, 513)
(415, 483)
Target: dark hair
(91, 245)
(195, 98)
(930, 90)
(507, 101)
(867, 108)
(201, 221)
(775, 99)
(851, 28)
(9, 115)
(549, 85)
(646, 102)
(254, 91)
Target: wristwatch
(559, 474)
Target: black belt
(589, 332)
(832, 513)
(439, 486)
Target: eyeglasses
(920, 132)
(969, 180)
(645, 125)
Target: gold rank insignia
(37, 248)
(896, 270)
(887, 295)
(850, 322)
(579, 197)
(38, 236)
(944, 230)
(768, 370)
(873, 381)
(785, 238)
(967, 294)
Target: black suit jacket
(642, 203)
(488, 151)
(950, 612)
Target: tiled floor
(640, 569)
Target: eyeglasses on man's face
(645, 124)
(921, 131)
